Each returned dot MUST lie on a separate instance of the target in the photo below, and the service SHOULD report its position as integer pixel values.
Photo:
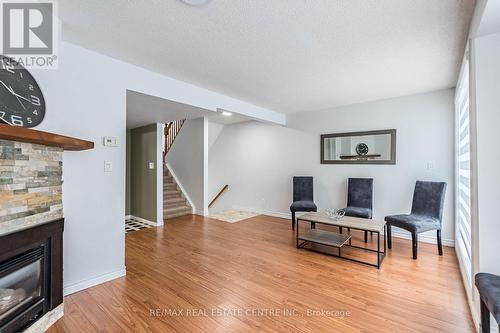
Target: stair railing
(224, 189)
(171, 131)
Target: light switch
(151, 165)
(108, 166)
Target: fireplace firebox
(30, 275)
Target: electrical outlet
(151, 165)
(108, 166)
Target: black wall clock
(362, 149)
(21, 100)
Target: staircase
(174, 201)
(170, 132)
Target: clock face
(362, 149)
(21, 100)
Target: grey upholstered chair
(426, 214)
(359, 199)
(303, 197)
(488, 286)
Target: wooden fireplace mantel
(22, 134)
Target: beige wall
(143, 195)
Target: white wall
(214, 130)
(86, 98)
(258, 160)
(487, 58)
(185, 158)
(82, 104)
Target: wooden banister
(171, 131)
(224, 189)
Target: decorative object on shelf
(21, 99)
(359, 157)
(362, 149)
(369, 147)
(335, 214)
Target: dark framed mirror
(368, 147)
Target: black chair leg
(366, 236)
(485, 318)
(440, 245)
(340, 229)
(293, 220)
(313, 225)
(389, 238)
(414, 238)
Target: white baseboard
(199, 212)
(395, 232)
(421, 238)
(79, 286)
(154, 224)
(265, 212)
(169, 167)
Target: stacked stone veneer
(30, 184)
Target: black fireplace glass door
(20, 287)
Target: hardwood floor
(237, 270)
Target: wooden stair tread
(177, 214)
(173, 200)
(171, 191)
(176, 209)
(173, 195)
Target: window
(463, 174)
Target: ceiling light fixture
(224, 112)
(196, 3)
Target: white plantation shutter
(463, 172)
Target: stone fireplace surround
(31, 201)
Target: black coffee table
(337, 240)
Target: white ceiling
(490, 22)
(286, 55)
(145, 109)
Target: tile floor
(133, 224)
